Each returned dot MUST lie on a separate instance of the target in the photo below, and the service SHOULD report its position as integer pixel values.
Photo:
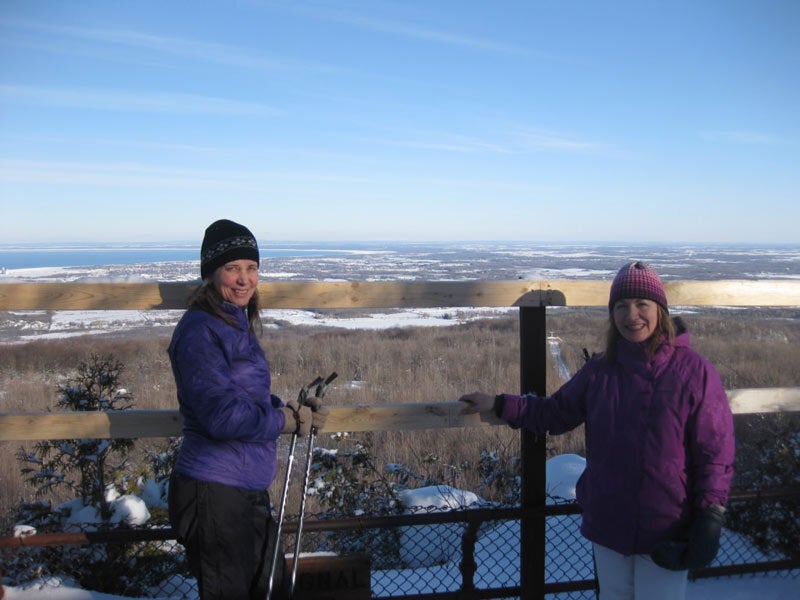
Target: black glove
(700, 549)
(704, 536)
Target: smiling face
(636, 318)
(237, 281)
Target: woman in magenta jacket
(659, 444)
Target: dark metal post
(468, 565)
(533, 378)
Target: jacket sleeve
(210, 398)
(710, 440)
(556, 414)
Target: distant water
(406, 261)
(96, 256)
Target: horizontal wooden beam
(416, 294)
(385, 417)
(733, 293)
(167, 423)
(94, 296)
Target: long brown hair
(664, 333)
(208, 298)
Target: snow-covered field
(24, 326)
(373, 262)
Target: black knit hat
(223, 242)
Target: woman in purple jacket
(218, 501)
(659, 444)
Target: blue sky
(641, 121)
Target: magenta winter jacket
(659, 441)
(230, 423)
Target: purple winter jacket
(230, 419)
(659, 441)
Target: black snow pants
(229, 536)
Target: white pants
(636, 577)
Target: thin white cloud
(148, 102)
(540, 139)
(445, 143)
(410, 30)
(430, 35)
(113, 174)
(163, 45)
(517, 142)
(740, 137)
(132, 174)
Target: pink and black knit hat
(637, 280)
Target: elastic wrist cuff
(296, 415)
(499, 404)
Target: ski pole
(302, 398)
(319, 393)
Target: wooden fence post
(533, 378)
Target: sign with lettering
(332, 578)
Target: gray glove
(319, 413)
(298, 418)
(478, 402)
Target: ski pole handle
(321, 387)
(302, 397)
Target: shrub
(347, 483)
(93, 470)
(85, 466)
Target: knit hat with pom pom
(637, 280)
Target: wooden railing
(145, 296)
(384, 417)
(532, 298)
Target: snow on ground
(440, 563)
(24, 326)
(419, 317)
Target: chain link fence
(424, 553)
